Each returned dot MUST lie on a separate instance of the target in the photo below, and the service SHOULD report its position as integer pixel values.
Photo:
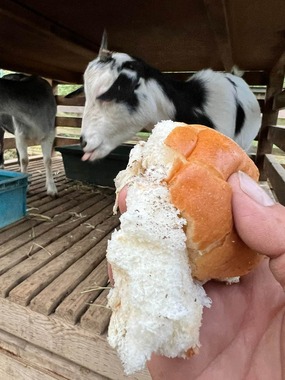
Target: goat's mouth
(89, 156)
(94, 154)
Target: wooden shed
(53, 322)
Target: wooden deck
(53, 316)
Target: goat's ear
(121, 90)
(103, 51)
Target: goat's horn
(104, 52)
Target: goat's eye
(129, 65)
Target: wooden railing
(70, 106)
(274, 170)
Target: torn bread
(176, 234)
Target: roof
(57, 39)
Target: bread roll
(176, 234)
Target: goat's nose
(83, 142)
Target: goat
(125, 95)
(28, 109)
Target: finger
(259, 221)
(122, 199)
(110, 274)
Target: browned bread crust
(204, 160)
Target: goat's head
(119, 91)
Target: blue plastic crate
(13, 196)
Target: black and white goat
(28, 109)
(125, 95)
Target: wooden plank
(49, 245)
(9, 143)
(277, 136)
(276, 176)
(270, 116)
(38, 202)
(75, 304)
(68, 341)
(39, 207)
(63, 221)
(67, 279)
(35, 358)
(62, 141)
(68, 121)
(279, 101)
(97, 316)
(13, 368)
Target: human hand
(243, 333)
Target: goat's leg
(47, 145)
(22, 148)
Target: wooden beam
(279, 101)
(276, 134)
(68, 121)
(270, 115)
(30, 66)
(39, 24)
(62, 141)
(276, 175)
(217, 16)
(10, 143)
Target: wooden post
(270, 115)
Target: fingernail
(253, 190)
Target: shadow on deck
(53, 275)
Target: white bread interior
(157, 307)
(157, 300)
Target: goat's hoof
(53, 194)
(52, 190)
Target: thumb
(260, 222)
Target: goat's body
(28, 109)
(125, 95)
